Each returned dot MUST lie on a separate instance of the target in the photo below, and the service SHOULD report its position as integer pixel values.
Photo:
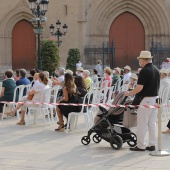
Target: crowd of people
(144, 85)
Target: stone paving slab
(39, 147)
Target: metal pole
(58, 36)
(39, 48)
(103, 55)
(159, 152)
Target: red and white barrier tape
(76, 104)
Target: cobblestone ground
(39, 147)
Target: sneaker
(150, 148)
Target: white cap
(118, 69)
(134, 76)
(80, 69)
(164, 70)
(127, 68)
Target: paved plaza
(39, 147)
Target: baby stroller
(109, 126)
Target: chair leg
(3, 112)
(68, 122)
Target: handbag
(129, 119)
(29, 97)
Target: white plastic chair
(18, 90)
(54, 92)
(43, 110)
(73, 117)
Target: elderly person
(8, 87)
(126, 77)
(107, 77)
(79, 71)
(99, 68)
(36, 92)
(116, 75)
(23, 80)
(88, 80)
(133, 81)
(146, 93)
(60, 80)
(164, 78)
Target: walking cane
(160, 152)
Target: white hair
(86, 72)
(46, 73)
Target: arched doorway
(128, 34)
(23, 46)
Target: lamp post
(58, 33)
(39, 8)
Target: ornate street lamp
(39, 8)
(58, 33)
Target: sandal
(21, 122)
(60, 128)
(11, 113)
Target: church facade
(114, 31)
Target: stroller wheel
(133, 140)
(85, 140)
(97, 138)
(116, 142)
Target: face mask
(140, 64)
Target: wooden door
(128, 35)
(23, 46)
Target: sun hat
(134, 76)
(164, 70)
(118, 69)
(127, 68)
(80, 69)
(145, 54)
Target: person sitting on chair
(35, 92)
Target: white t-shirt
(99, 70)
(60, 79)
(126, 77)
(78, 64)
(39, 88)
(164, 82)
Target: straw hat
(127, 68)
(134, 76)
(145, 54)
(163, 70)
(118, 69)
(80, 69)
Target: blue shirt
(23, 81)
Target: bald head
(36, 76)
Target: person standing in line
(146, 93)
(99, 68)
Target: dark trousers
(168, 125)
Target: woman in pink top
(107, 75)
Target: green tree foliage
(50, 55)
(72, 59)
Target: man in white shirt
(60, 80)
(126, 77)
(79, 64)
(165, 81)
(99, 68)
